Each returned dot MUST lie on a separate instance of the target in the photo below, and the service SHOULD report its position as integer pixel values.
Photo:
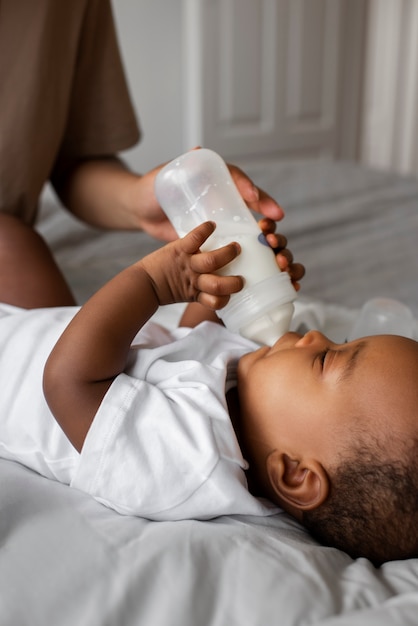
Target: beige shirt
(63, 94)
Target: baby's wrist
(155, 279)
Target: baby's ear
(299, 484)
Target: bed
(67, 560)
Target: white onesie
(161, 445)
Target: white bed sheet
(67, 560)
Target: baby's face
(309, 396)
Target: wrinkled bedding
(67, 560)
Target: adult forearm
(101, 192)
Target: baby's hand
(284, 257)
(180, 272)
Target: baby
(201, 422)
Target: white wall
(150, 40)
(253, 77)
(152, 37)
(390, 107)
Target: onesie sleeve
(148, 449)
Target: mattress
(66, 559)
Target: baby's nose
(311, 338)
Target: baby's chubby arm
(94, 348)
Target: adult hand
(151, 218)
(256, 199)
(284, 257)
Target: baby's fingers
(213, 291)
(213, 260)
(197, 237)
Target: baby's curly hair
(372, 508)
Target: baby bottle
(197, 187)
(383, 316)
